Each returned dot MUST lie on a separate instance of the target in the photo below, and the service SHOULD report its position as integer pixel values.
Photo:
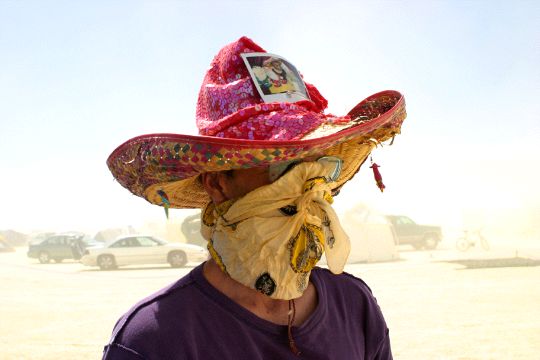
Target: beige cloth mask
(271, 238)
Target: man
(280, 78)
(268, 219)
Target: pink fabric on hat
(230, 106)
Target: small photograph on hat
(276, 79)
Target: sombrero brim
(172, 162)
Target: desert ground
(435, 309)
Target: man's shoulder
(347, 294)
(148, 314)
(344, 285)
(343, 279)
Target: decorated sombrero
(242, 124)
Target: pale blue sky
(79, 78)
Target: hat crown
(227, 87)
(230, 106)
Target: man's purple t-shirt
(191, 319)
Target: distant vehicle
(411, 233)
(372, 236)
(39, 237)
(60, 247)
(142, 249)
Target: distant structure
(14, 238)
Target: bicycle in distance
(472, 238)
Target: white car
(142, 249)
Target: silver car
(142, 249)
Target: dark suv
(411, 233)
(58, 247)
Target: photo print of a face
(276, 79)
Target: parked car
(142, 249)
(411, 233)
(372, 236)
(59, 247)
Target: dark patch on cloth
(265, 284)
(288, 210)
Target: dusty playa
(434, 309)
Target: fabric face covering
(271, 238)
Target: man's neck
(273, 310)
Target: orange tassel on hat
(377, 175)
